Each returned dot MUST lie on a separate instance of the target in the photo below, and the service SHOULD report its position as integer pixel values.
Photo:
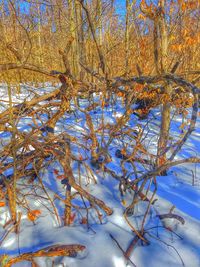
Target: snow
(181, 188)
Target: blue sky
(121, 6)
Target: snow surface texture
(180, 188)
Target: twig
(124, 253)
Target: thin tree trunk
(166, 109)
(80, 38)
(127, 46)
(74, 49)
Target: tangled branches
(28, 154)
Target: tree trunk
(127, 37)
(166, 109)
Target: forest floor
(180, 188)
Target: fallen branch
(51, 251)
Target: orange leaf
(176, 47)
(33, 214)
(2, 204)
(183, 6)
(120, 94)
(139, 87)
(123, 151)
(129, 111)
(140, 16)
(61, 177)
(36, 212)
(55, 171)
(84, 220)
(161, 161)
(31, 217)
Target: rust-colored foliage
(32, 215)
(2, 204)
(84, 220)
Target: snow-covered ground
(180, 188)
